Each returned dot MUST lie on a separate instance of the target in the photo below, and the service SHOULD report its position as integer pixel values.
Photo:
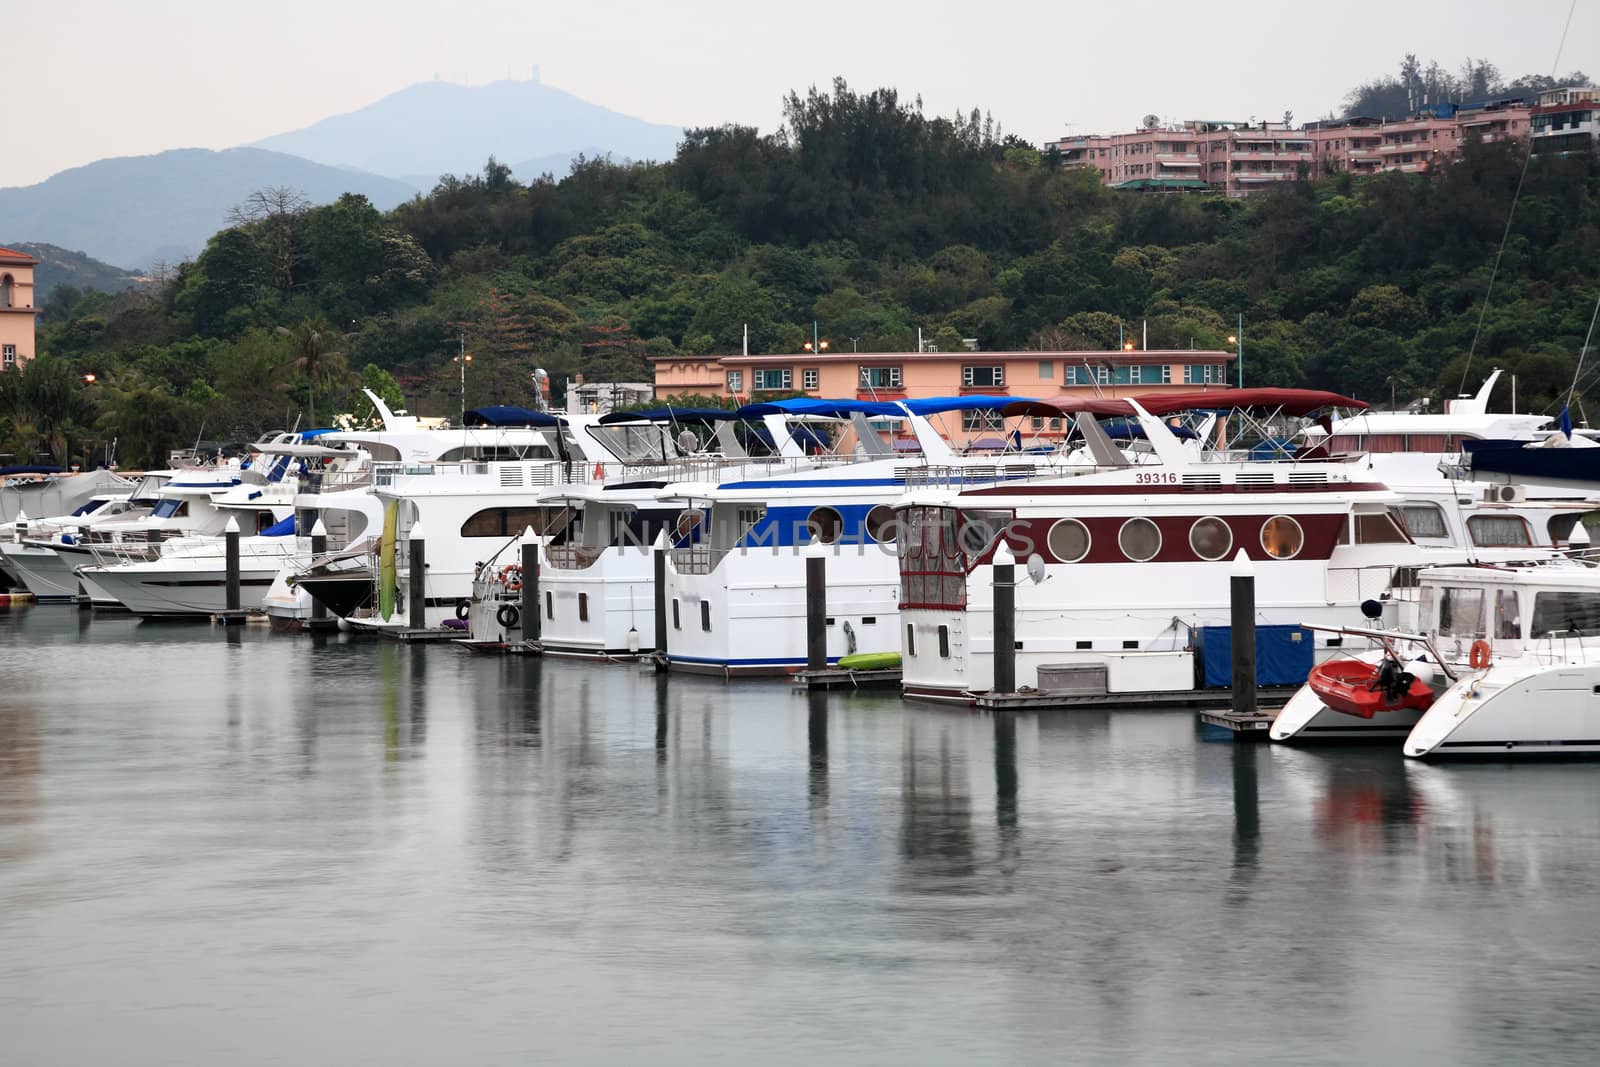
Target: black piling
(816, 607)
(230, 550)
(419, 578)
(1005, 620)
(661, 601)
(531, 619)
(319, 547)
(1242, 601)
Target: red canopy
(1289, 401)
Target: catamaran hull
(1514, 711)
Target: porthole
(1281, 537)
(1210, 538)
(1068, 540)
(1139, 539)
(881, 525)
(825, 525)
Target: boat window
(633, 442)
(747, 519)
(1210, 538)
(931, 571)
(1423, 520)
(911, 640)
(980, 529)
(549, 604)
(88, 507)
(705, 615)
(497, 453)
(825, 524)
(1507, 615)
(170, 509)
(1139, 539)
(1281, 537)
(944, 642)
(1460, 612)
(1561, 526)
(508, 522)
(677, 620)
(1499, 531)
(1377, 528)
(1567, 612)
(1068, 540)
(583, 607)
(881, 525)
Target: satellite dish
(1372, 609)
(1152, 121)
(1036, 568)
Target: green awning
(1150, 185)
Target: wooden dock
(1244, 726)
(406, 633)
(1203, 699)
(844, 678)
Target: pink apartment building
(1239, 158)
(899, 375)
(16, 308)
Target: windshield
(93, 505)
(166, 509)
(633, 442)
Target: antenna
(1152, 121)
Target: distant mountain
(134, 210)
(435, 128)
(59, 266)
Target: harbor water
(229, 846)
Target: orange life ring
(1479, 659)
(511, 577)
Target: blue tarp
(281, 528)
(502, 415)
(1283, 655)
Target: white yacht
(1519, 617)
(34, 551)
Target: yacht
(735, 586)
(33, 551)
(1126, 587)
(1516, 615)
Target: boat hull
(1514, 711)
(46, 573)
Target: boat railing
(113, 553)
(695, 559)
(572, 557)
(924, 476)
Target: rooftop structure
(16, 308)
(1564, 120)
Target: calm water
(245, 849)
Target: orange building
(901, 375)
(16, 308)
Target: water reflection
(320, 829)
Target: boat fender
(1479, 658)
(463, 606)
(508, 616)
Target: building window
(1135, 375)
(983, 377)
(976, 421)
(774, 379)
(1166, 374)
(1201, 374)
(880, 377)
(736, 381)
(808, 378)
(1069, 376)
(9, 354)
(1047, 370)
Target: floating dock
(845, 678)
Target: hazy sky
(95, 78)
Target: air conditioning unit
(1505, 494)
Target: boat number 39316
(1155, 478)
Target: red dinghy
(1364, 689)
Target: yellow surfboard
(386, 573)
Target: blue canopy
(29, 468)
(502, 415)
(671, 414)
(827, 409)
(934, 405)
(804, 436)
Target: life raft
(1364, 689)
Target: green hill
(872, 219)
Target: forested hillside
(862, 214)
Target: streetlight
(464, 358)
(1238, 339)
(88, 379)
(1127, 346)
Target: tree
(272, 216)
